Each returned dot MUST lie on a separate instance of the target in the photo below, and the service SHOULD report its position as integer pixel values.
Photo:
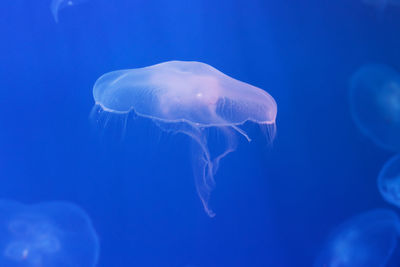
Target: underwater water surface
(279, 201)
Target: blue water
(275, 204)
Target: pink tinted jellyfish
(189, 97)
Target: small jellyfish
(367, 239)
(389, 181)
(375, 104)
(189, 97)
(381, 5)
(54, 234)
(57, 5)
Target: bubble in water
(375, 104)
(367, 239)
(54, 234)
(57, 5)
(189, 97)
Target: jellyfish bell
(379, 4)
(382, 4)
(57, 5)
(190, 98)
(168, 91)
(53, 234)
(389, 100)
(367, 239)
(375, 104)
(389, 181)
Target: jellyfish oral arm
(203, 170)
(241, 132)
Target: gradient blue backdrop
(275, 205)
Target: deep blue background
(275, 204)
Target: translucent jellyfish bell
(54, 234)
(57, 5)
(367, 239)
(189, 97)
(381, 5)
(389, 181)
(375, 104)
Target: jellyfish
(381, 5)
(53, 234)
(189, 98)
(368, 239)
(389, 181)
(57, 5)
(375, 104)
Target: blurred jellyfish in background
(189, 97)
(365, 240)
(375, 104)
(389, 181)
(57, 5)
(54, 234)
(381, 5)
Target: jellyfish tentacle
(230, 147)
(204, 179)
(242, 132)
(219, 157)
(203, 168)
(268, 130)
